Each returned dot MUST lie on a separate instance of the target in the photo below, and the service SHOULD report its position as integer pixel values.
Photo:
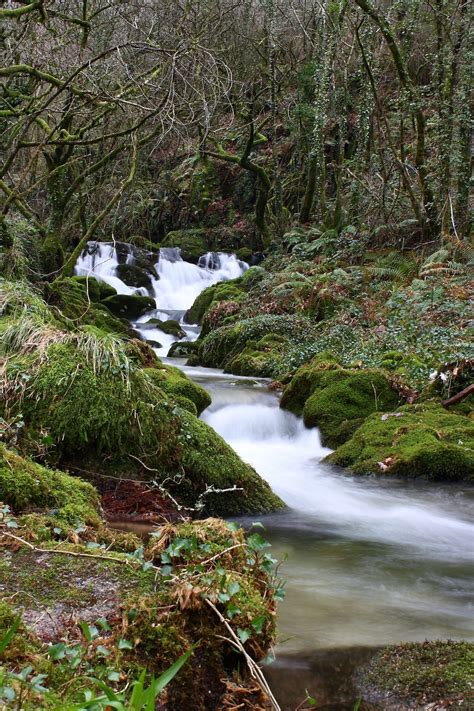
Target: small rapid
(370, 561)
(175, 287)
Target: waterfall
(178, 284)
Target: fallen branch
(254, 669)
(459, 396)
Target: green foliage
(224, 291)
(220, 346)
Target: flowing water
(369, 561)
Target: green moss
(224, 291)
(416, 441)
(171, 327)
(204, 452)
(105, 411)
(193, 243)
(78, 300)
(25, 485)
(220, 346)
(426, 672)
(174, 382)
(258, 358)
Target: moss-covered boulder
(258, 358)
(336, 399)
(26, 485)
(219, 347)
(182, 349)
(134, 276)
(170, 327)
(422, 440)
(129, 306)
(174, 382)
(100, 406)
(432, 674)
(79, 300)
(193, 243)
(224, 291)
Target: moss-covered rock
(224, 291)
(174, 382)
(182, 349)
(219, 347)
(431, 674)
(129, 306)
(422, 440)
(336, 399)
(25, 485)
(99, 405)
(258, 358)
(79, 301)
(193, 243)
(134, 276)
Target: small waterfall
(100, 260)
(178, 284)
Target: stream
(368, 562)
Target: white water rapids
(370, 561)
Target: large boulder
(336, 399)
(100, 407)
(423, 440)
(193, 243)
(129, 306)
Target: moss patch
(25, 485)
(79, 301)
(174, 382)
(104, 409)
(416, 441)
(193, 243)
(224, 291)
(424, 673)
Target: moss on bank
(25, 485)
(422, 440)
(192, 243)
(422, 673)
(135, 617)
(224, 291)
(336, 399)
(92, 398)
(220, 346)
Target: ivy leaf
(233, 588)
(243, 634)
(124, 644)
(57, 651)
(258, 623)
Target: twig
(254, 669)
